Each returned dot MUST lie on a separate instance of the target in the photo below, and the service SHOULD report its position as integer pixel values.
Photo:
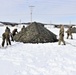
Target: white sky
(46, 11)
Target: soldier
(7, 30)
(23, 28)
(6, 36)
(14, 32)
(69, 32)
(61, 35)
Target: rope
(71, 44)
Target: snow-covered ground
(38, 59)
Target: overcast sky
(45, 11)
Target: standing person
(61, 35)
(23, 29)
(6, 36)
(14, 32)
(69, 32)
(7, 30)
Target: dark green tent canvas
(35, 33)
